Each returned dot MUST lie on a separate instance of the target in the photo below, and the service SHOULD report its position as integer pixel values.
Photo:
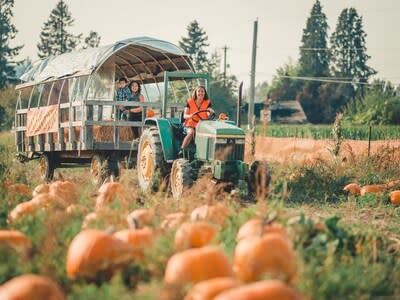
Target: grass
(356, 256)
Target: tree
(223, 95)
(284, 87)
(7, 33)
(92, 40)
(349, 57)
(314, 57)
(194, 45)
(55, 38)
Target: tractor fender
(166, 136)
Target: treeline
(332, 74)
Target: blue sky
(226, 22)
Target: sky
(226, 22)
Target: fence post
(369, 140)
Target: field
(345, 246)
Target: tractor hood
(219, 129)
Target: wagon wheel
(259, 178)
(150, 163)
(98, 169)
(181, 177)
(46, 166)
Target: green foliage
(7, 33)
(283, 87)
(194, 45)
(8, 99)
(92, 40)
(314, 57)
(379, 106)
(348, 131)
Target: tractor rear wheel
(259, 178)
(180, 178)
(150, 164)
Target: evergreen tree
(92, 40)
(349, 57)
(194, 45)
(7, 33)
(314, 57)
(55, 38)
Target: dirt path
(296, 150)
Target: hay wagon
(66, 108)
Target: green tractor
(217, 150)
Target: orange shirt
(193, 108)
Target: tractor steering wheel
(197, 117)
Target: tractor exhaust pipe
(239, 104)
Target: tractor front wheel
(150, 164)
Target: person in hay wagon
(123, 94)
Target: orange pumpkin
(150, 113)
(208, 289)
(41, 189)
(66, 191)
(15, 239)
(372, 188)
(214, 213)
(93, 250)
(140, 218)
(195, 265)
(352, 189)
(193, 235)
(262, 290)
(32, 287)
(173, 220)
(395, 197)
(42, 200)
(139, 239)
(256, 227)
(18, 188)
(108, 192)
(22, 209)
(270, 254)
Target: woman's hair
(194, 95)
(138, 83)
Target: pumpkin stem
(133, 223)
(267, 221)
(110, 229)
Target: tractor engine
(222, 144)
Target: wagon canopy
(141, 58)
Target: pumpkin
(16, 240)
(139, 239)
(75, 208)
(372, 188)
(22, 209)
(93, 250)
(395, 197)
(41, 189)
(150, 113)
(65, 191)
(208, 289)
(18, 189)
(108, 192)
(195, 265)
(272, 254)
(352, 189)
(258, 227)
(32, 287)
(214, 213)
(173, 220)
(194, 234)
(42, 200)
(140, 218)
(262, 290)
